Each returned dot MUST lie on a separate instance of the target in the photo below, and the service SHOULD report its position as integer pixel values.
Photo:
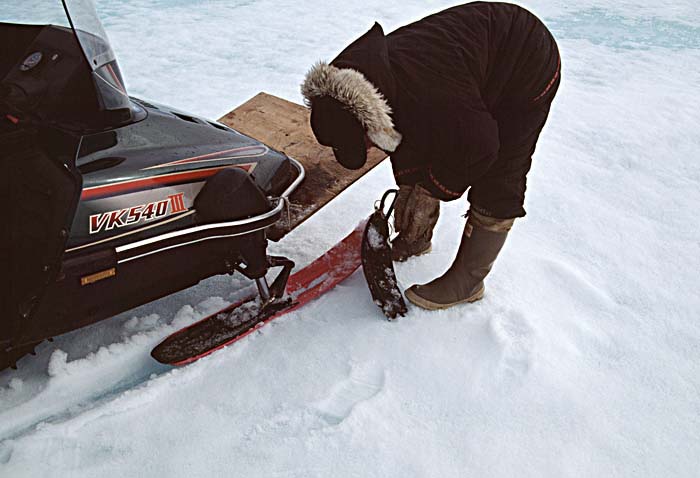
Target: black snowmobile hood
(369, 55)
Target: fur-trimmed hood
(356, 92)
(358, 96)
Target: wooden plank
(284, 126)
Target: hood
(360, 82)
(369, 55)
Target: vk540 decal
(107, 221)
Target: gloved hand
(405, 191)
(415, 214)
(420, 215)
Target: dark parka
(454, 80)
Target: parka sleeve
(409, 167)
(466, 145)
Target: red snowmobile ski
(368, 245)
(244, 317)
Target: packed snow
(582, 360)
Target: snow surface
(583, 359)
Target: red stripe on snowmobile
(154, 181)
(227, 154)
(305, 285)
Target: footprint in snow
(363, 383)
(576, 284)
(514, 336)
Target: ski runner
(458, 99)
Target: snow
(582, 360)
(375, 239)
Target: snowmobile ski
(248, 315)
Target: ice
(582, 360)
(603, 28)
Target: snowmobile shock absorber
(280, 283)
(270, 293)
(263, 289)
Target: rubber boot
(482, 240)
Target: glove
(405, 191)
(420, 215)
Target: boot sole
(429, 305)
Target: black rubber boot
(464, 280)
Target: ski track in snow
(582, 359)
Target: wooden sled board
(284, 126)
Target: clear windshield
(93, 40)
(80, 14)
(90, 33)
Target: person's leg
(482, 240)
(501, 191)
(496, 201)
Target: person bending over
(458, 100)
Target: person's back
(505, 50)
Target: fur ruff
(359, 96)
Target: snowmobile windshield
(98, 53)
(90, 33)
(75, 81)
(80, 15)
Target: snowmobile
(113, 201)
